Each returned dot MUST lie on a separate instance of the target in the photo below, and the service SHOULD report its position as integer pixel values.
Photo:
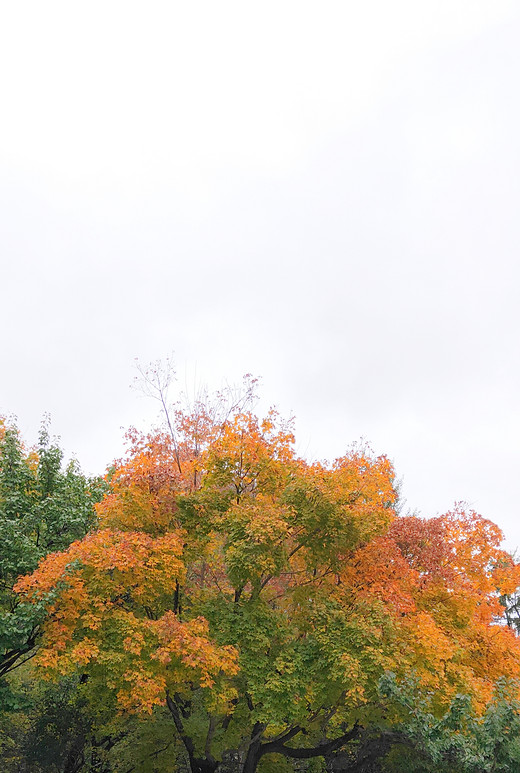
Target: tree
(262, 599)
(43, 508)
(458, 741)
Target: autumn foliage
(263, 597)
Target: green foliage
(272, 763)
(60, 729)
(43, 508)
(459, 741)
(68, 728)
(147, 746)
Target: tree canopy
(280, 609)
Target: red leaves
(424, 544)
(379, 570)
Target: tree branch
(321, 750)
(211, 732)
(174, 711)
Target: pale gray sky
(323, 194)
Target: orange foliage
(223, 514)
(108, 584)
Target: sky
(324, 195)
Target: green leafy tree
(43, 508)
(460, 740)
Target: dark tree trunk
(252, 758)
(254, 751)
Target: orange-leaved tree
(261, 598)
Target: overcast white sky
(323, 194)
